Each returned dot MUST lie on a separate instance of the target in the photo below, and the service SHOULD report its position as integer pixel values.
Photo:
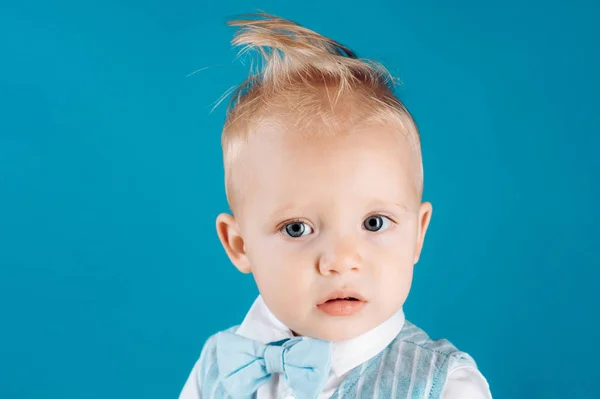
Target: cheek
(395, 269)
(286, 289)
(396, 246)
(393, 283)
(280, 274)
(394, 257)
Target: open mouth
(348, 298)
(342, 304)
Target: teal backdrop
(111, 273)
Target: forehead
(282, 167)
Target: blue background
(112, 275)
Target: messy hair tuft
(311, 82)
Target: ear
(424, 219)
(229, 233)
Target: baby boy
(324, 178)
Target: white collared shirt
(262, 326)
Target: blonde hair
(296, 69)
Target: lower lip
(341, 307)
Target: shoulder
(413, 339)
(209, 350)
(203, 379)
(452, 373)
(207, 367)
(465, 382)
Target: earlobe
(230, 236)
(424, 219)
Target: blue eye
(297, 229)
(376, 223)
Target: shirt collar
(261, 325)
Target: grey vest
(411, 366)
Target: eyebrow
(277, 214)
(293, 207)
(284, 209)
(377, 202)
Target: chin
(337, 333)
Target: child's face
(326, 217)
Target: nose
(342, 257)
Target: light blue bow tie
(245, 365)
